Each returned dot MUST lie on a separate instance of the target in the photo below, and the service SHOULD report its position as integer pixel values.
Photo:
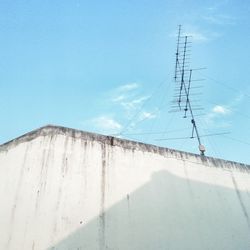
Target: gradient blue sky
(108, 67)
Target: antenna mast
(183, 79)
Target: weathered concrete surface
(66, 189)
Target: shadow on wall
(169, 213)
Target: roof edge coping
(114, 141)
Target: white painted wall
(66, 189)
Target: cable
(214, 148)
(234, 139)
(225, 85)
(142, 106)
(182, 138)
(156, 133)
(161, 105)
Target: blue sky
(108, 67)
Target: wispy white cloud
(147, 115)
(133, 104)
(196, 36)
(128, 87)
(119, 98)
(200, 36)
(237, 100)
(219, 19)
(218, 109)
(216, 14)
(217, 116)
(143, 116)
(130, 105)
(127, 96)
(124, 93)
(105, 124)
(217, 5)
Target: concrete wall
(66, 189)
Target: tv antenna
(183, 79)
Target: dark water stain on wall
(157, 223)
(103, 194)
(17, 193)
(238, 193)
(64, 170)
(84, 166)
(33, 245)
(47, 162)
(64, 164)
(58, 201)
